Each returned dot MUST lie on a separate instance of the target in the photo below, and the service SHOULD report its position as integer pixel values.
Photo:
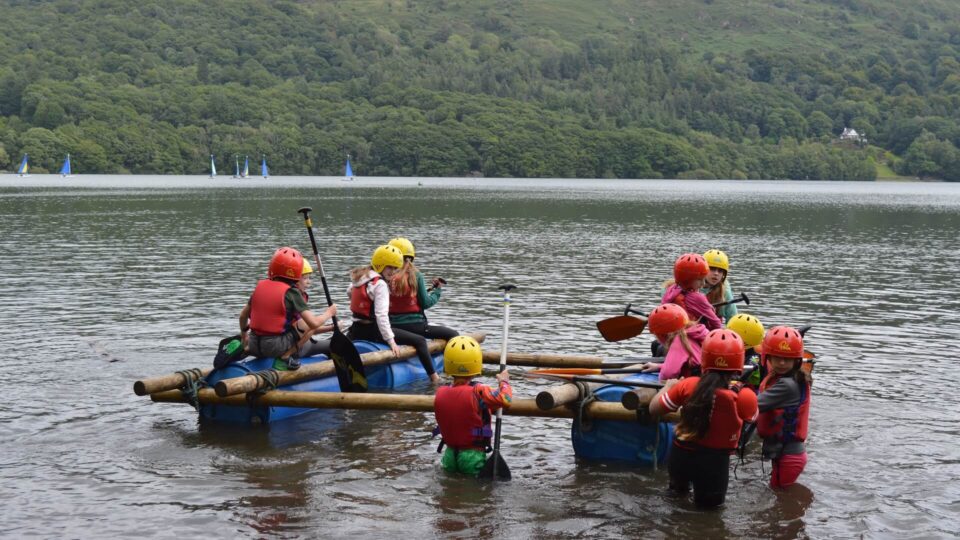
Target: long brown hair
(684, 340)
(716, 292)
(360, 272)
(404, 281)
(697, 411)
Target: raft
(638, 443)
(381, 377)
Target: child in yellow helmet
(370, 298)
(716, 286)
(464, 408)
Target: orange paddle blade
(568, 371)
(621, 328)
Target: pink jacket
(678, 356)
(696, 304)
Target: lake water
(105, 280)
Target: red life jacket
(725, 422)
(268, 311)
(787, 424)
(408, 303)
(463, 418)
(361, 305)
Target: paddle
(743, 298)
(598, 371)
(346, 359)
(496, 467)
(621, 327)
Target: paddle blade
(621, 328)
(567, 371)
(495, 461)
(347, 362)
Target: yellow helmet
(385, 256)
(748, 327)
(462, 357)
(307, 269)
(717, 259)
(405, 246)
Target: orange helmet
(688, 268)
(783, 341)
(722, 351)
(667, 318)
(286, 263)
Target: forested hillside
(527, 88)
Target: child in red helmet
(681, 340)
(689, 274)
(715, 406)
(784, 405)
(268, 322)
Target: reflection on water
(143, 276)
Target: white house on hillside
(850, 134)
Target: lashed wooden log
(568, 393)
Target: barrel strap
(581, 422)
(267, 380)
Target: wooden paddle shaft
(387, 402)
(637, 398)
(252, 383)
(567, 393)
(167, 382)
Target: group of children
(702, 368)
(703, 375)
(388, 298)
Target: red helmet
(667, 318)
(722, 351)
(690, 267)
(286, 263)
(784, 341)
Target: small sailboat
(213, 167)
(263, 167)
(24, 168)
(236, 171)
(246, 167)
(65, 169)
(348, 171)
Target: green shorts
(463, 461)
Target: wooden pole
(545, 360)
(169, 382)
(252, 383)
(568, 393)
(637, 398)
(601, 410)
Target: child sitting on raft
(689, 273)
(680, 339)
(716, 286)
(268, 322)
(312, 346)
(410, 297)
(464, 409)
(370, 298)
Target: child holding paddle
(268, 323)
(784, 405)
(464, 408)
(311, 347)
(714, 408)
(716, 287)
(751, 331)
(409, 297)
(681, 340)
(689, 272)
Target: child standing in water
(784, 405)
(751, 331)
(717, 288)
(464, 408)
(689, 273)
(714, 408)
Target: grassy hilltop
(600, 88)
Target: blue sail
(213, 167)
(24, 168)
(65, 170)
(349, 170)
(263, 167)
(246, 167)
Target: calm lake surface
(105, 280)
